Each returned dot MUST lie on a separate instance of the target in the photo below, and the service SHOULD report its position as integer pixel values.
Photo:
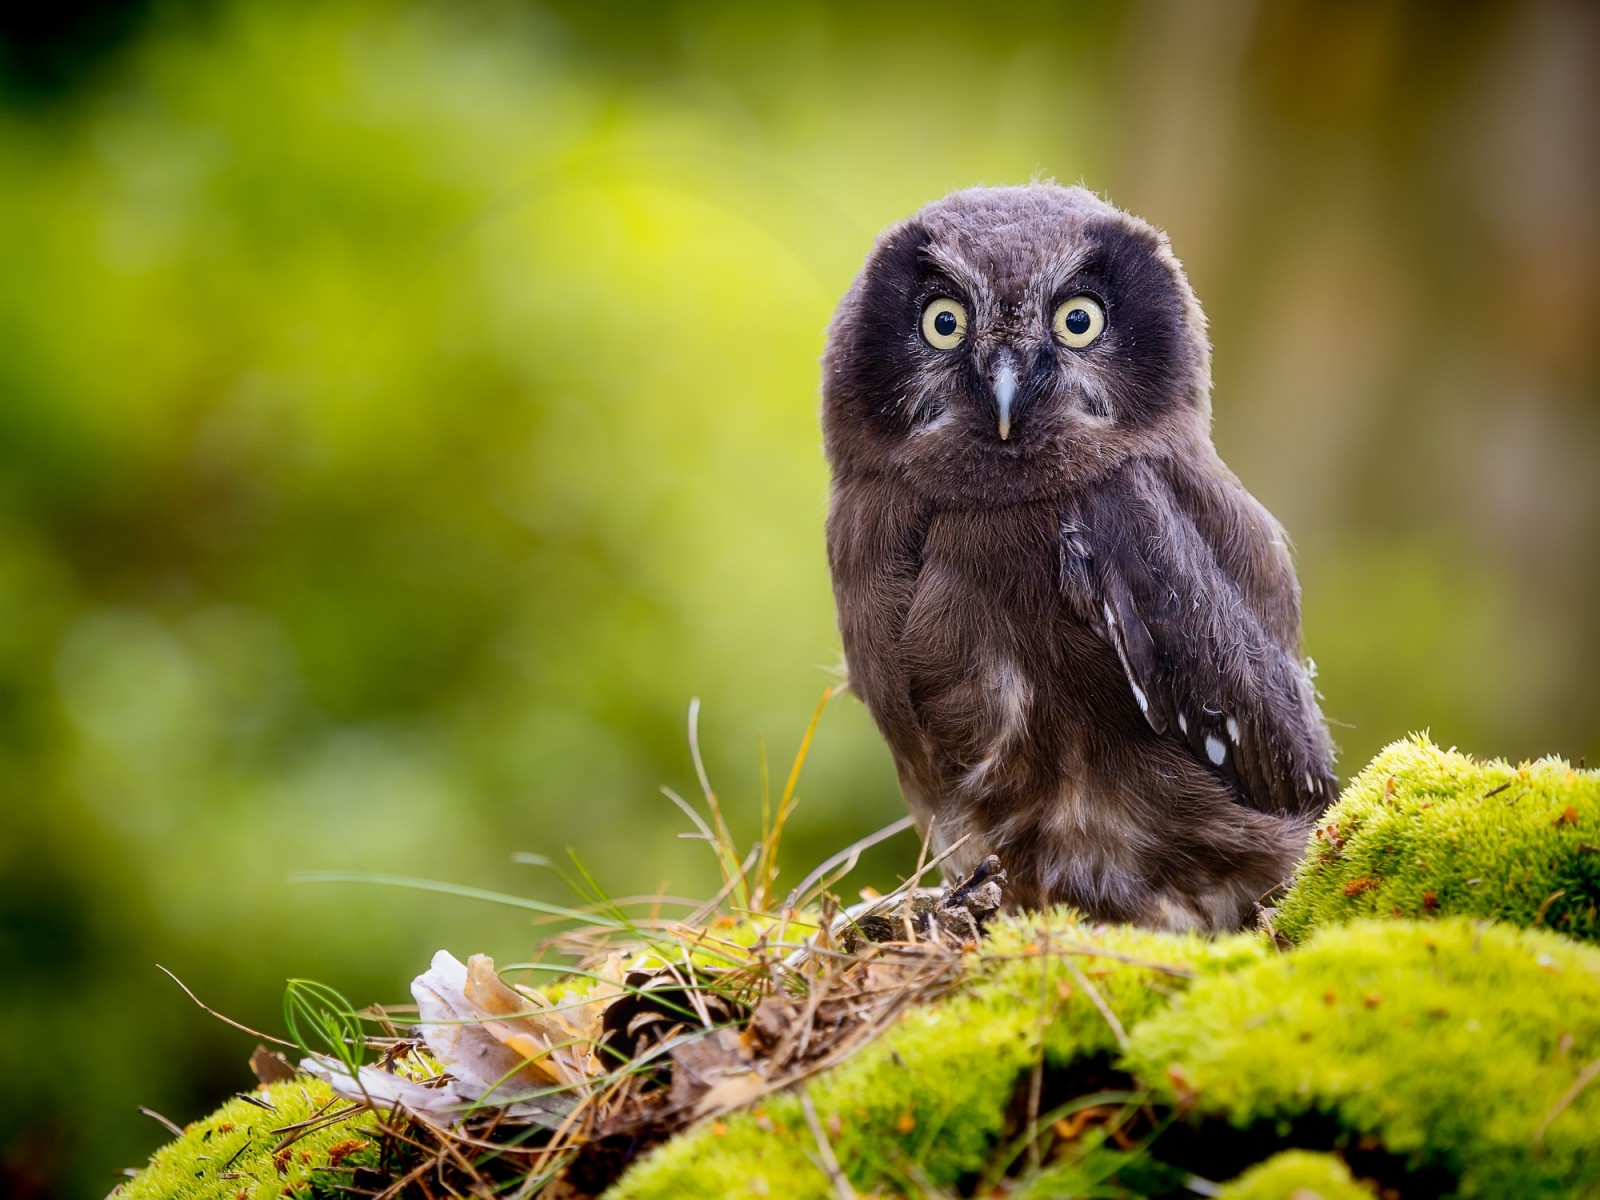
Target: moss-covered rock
(238, 1150)
(1459, 1047)
(928, 1104)
(1297, 1175)
(1452, 1053)
(1436, 1055)
(1425, 832)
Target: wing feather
(1203, 664)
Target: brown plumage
(1078, 632)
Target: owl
(1078, 633)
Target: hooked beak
(1004, 379)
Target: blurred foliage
(405, 409)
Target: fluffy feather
(1082, 640)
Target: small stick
(170, 1126)
(1099, 1001)
(851, 854)
(1173, 969)
(911, 895)
(1584, 1079)
(830, 1164)
(1538, 919)
(213, 1012)
(1036, 1079)
(243, 1146)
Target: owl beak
(1005, 391)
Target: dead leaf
(270, 1066)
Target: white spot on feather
(1233, 729)
(1122, 657)
(1215, 750)
(1183, 723)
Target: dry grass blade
(1097, 1000)
(1585, 1077)
(171, 1126)
(767, 866)
(828, 1161)
(214, 1013)
(847, 858)
(657, 1023)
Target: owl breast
(980, 679)
(1012, 726)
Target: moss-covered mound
(1458, 1047)
(1425, 832)
(1447, 1058)
(1442, 1058)
(253, 1149)
(930, 1104)
(1297, 1175)
(1441, 1053)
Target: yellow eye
(944, 323)
(1079, 321)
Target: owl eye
(944, 323)
(1079, 321)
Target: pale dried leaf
(457, 1038)
(443, 1102)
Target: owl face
(1004, 341)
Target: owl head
(1004, 343)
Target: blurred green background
(405, 409)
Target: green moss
(1424, 832)
(1099, 1171)
(1453, 1046)
(1440, 1045)
(926, 1105)
(233, 1153)
(1453, 1043)
(1297, 1175)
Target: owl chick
(1077, 631)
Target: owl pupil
(1078, 321)
(945, 324)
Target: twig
(1173, 969)
(1538, 918)
(706, 910)
(213, 1012)
(830, 1164)
(171, 1127)
(234, 1157)
(922, 857)
(851, 853)
(1099, 1001)
(1584, 1079)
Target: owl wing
(1208, 642)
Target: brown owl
(1078, 632)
